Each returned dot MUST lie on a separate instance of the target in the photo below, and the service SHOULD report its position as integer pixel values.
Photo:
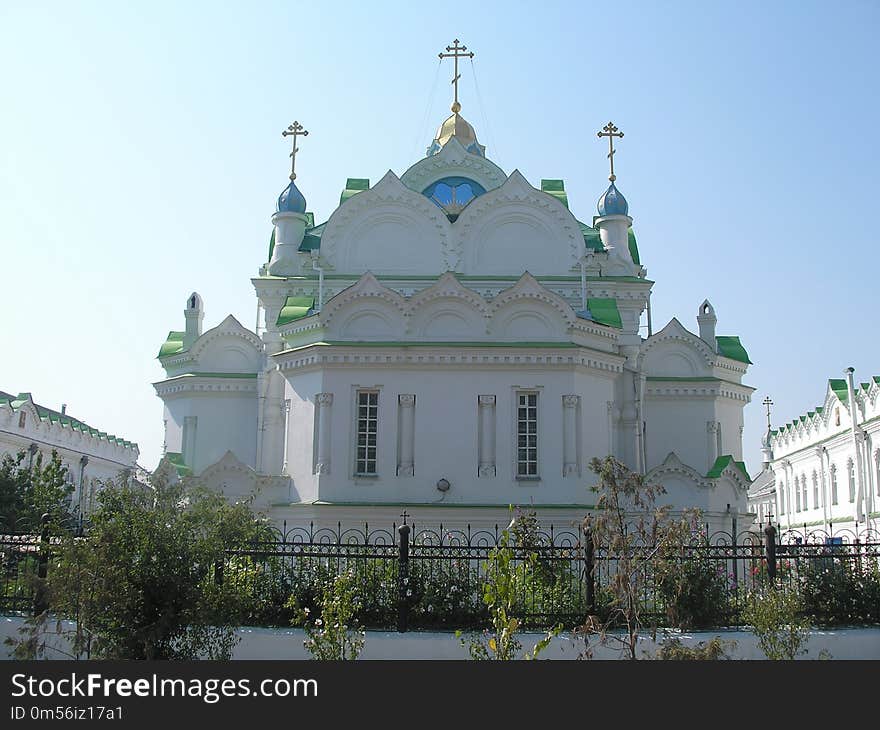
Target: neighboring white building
(453, 340)
(92, 457)
(822, 470)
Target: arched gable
(227, 348)
(676, 352)
(388, 229)
(451, 161)
(447, 310)
(516, 228)
(366, 310)
(529, 311)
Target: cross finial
(457, 52)
(610, 131)
(294, 130)
(767, 402)
(404, 516)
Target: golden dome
(457, 126)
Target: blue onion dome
(612, 202)
(291, 200)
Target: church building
(453, 339)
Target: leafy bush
(775, 619)
(142, 585)
(694, 591)
(714, 649)
(334, 632)
(837, 591)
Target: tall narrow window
(804, 492)
(527, 435)
(833, 484)
(797, 495)
(851, 478)
(782, 499)
(367, 431)
(815, 490)
(22, 418)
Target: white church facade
(822, 470)
(92, 457)
(453, 340)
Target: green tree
(28, 491)
(335, 634)
(637, 535)
(774, 617)
(141, 584)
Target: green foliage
(334, 633)
(504, 582)
(775, 619)
(695, 590)
(26, 494)
(640, 536)
(839, 591)
(141, 585)
(712, 650)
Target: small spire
(294, 130)
(610, 131)
(457, 52)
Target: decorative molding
(406, 400)
(324, 399)
(453, 160)
(487, 400)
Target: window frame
(356, 446)
(518, 394)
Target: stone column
(406, 419)
(711, 433)
(569, 435)
(487, 435)
(323, 403)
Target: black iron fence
(412, 578)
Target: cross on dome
(456, 126)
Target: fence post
(40, 602)
(857, 546)
(218, 572)
(403, 576)
(770, 551)
(589, 573)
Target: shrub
(694, 591)
(334, 632)
(836, 591)
(714, 649)
(775, 619)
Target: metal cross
(457, 52)
(610, 131)
(767, 402)
(294, 130)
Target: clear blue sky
(140, 158)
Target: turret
(706, 319)
(194, 314)
(613, 220)
(289, 218)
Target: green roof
(633, 247)
(294, 308)
(177, 462)
(172, 345)
(838, 385)
(722, 462)
(605, 311)
(594, 243)
(353, 186)
(48, 414)
(556, 188)
(731, 347)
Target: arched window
(851, 478)
(833, 484)
(816, 490)
(782, 499)
(797, 495)
(804, 492)
(837, 416)
(22, 419)
(452, 194)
